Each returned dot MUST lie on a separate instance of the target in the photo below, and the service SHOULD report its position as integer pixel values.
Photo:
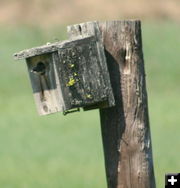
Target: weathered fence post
(125, 127)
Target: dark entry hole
(40, 68)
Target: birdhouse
(68, 75)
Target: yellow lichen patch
(71, 65)
(75, 74)
(71, 82)
(88, 96)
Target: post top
(50, 47)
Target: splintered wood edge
(51, 47)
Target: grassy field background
(66, 152)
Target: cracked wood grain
(125, 127)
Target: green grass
(66, 152)
(161, 50)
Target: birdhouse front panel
(80, 74)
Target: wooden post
(125, 127)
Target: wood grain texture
(125, 127)
(80, 74)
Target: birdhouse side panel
(44, 84)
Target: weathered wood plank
(125, 127)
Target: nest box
(68, 75)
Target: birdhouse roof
(51, 47)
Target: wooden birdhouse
(69, 75)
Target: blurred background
(59, 151)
